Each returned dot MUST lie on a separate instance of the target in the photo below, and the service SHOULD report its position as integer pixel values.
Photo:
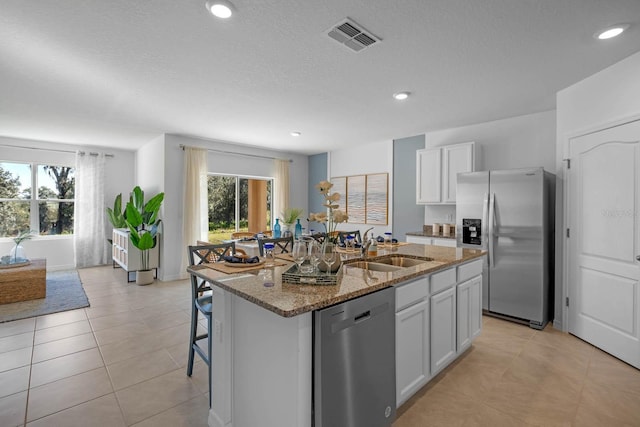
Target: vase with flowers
(330, 220)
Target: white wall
(119, 178)
(171, 246)
(516, 142)
(607, 98)
(361, 160)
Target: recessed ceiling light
(220, 8)
(611, 32)
(296, 133)
(400, 96)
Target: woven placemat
(220, 266)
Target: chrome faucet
(366, 242)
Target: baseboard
(173, 277)
(60, 267)
(557, 324)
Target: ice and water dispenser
(471, 231)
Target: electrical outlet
(218, 329)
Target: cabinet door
(429, 176)
(451, 243)
(469, 311)
(456, 158)
(419, 239)
(443, 329)
(412, 350)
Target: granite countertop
(425, 234)
(290, 300)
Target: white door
(604, 215)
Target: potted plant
(289, 217)
(17, 256)
(143, 222)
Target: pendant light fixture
(220, 8)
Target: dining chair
(343, 234)
(201, 303)
(241, 234)
(281, 245)
(319, 237)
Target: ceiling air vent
(352, 35)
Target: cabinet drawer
(411, 293)
(443, 280)
(469, 270)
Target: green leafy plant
(21, 237)
(290, 215)
(143, 223)
(116, 215)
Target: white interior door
(604, 193)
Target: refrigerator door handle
(492, 218)
(485, 221)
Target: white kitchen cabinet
(443, 329)
(127, 256)
(412, 350)
(437, 169)
(431, 241)
(469, 321)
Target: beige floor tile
(608, 406)
(95, 312)
(180, 353)
(12, 409)
(192, 413)
(63, 331)
(63, 347)
(152, 397)
(109, 300)
(15, 342)
(101, 412)
(132, 347)
(113, 320)
(486, 416)
(65, 366)
(606, 370)
(138, 369)
(168, 320)
(62, 318)
(15, 359)
(122, 332)
(547, 401)
(200, 374)
(68, 392)
(17, 327)
(14, 381)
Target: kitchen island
(262, 337)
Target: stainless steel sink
(373, 266)
(400, 261)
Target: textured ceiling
(120, 72)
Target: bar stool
(282, 245)
(202, 254)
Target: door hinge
(568, 232)
(567, 302)
(568, 163)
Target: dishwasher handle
(342, 324)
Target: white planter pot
(144, 277)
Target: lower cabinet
(443, 329)
(437, 318)
(412, 350)
(469, 295)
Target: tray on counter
(292, 275)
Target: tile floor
(121, 362)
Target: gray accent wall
(317, 172)
(407, 215)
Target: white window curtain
(90, 242)
(281, 187)
(195, 217)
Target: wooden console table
(24, 283)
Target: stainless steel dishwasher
(354, 365)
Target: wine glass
(314, 254)
(299, 253)
(329, 254)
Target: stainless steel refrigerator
(510, 214)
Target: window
(47, 211)
(238, 203)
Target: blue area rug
(64, 292)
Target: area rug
(64, 292)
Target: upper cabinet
(437, 170)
